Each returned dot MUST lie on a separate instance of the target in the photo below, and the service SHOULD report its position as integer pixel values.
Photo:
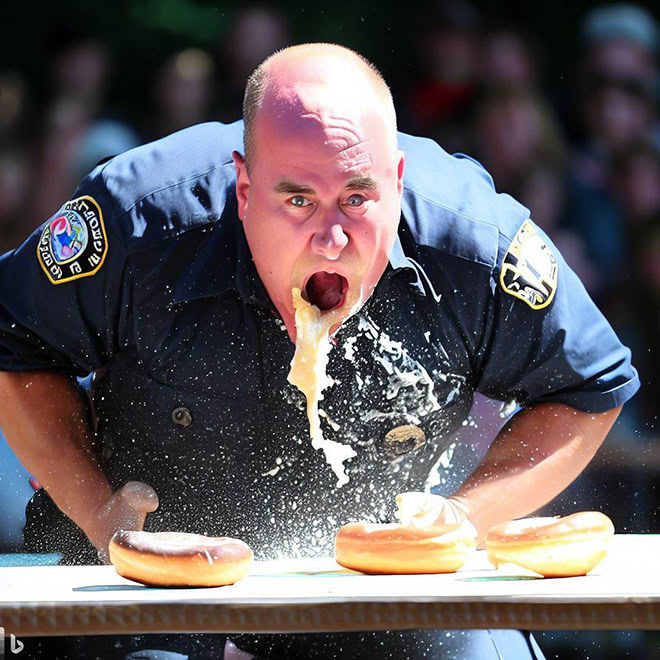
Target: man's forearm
(535, 456)
(44, 419)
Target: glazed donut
(175, 559)
(395, 548)
(553, 547)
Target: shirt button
(181, 416)
(403, 439)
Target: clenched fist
(126, 508)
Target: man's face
(321, 204)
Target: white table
(623, 592)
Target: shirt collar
(400, 263)
(247, 281)
(398, 259)
(222, 262)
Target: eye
(355, 200)
(300, 201)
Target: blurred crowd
(581, 151)
(583, 154)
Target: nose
(329, 241)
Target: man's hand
(424, 511)
(44, 417)
(125, 509)
(533, 458)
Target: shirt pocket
(151, 430)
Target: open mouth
(326, 290)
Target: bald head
(313, 78)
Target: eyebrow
(293, 188)
(362, 183)
(356, 183)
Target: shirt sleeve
(547, 339)
(63, 293)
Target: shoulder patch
(529, 270)
(73, 243)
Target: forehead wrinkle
(301, 132)
(354, 157)
(340, 124)
(309, 106)
(306, 123)
(326, 150)
(338, 133)
(329, 87)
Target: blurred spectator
(14, 188)
(256, 32)
(617, 96)
(636, 182)
(644, 317)
(80, 67)
(13, 107)
(628, 23)
(521, 145)
(73, 137)
(182, 93)
(617, 86)
(542, 189)
(636, 307)
(438, 105)
(514, 131)
(508, 58)
(14, 159)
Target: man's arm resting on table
(532, 459)
(44, 419)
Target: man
(179, 299)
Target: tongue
(324, 290)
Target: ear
(242, 184)
(399, 172)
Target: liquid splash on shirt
(309, 374)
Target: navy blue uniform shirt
(145, 278)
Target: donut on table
(175, 559)
(395, 548)
(553, 547)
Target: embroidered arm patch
(73, 243)
(529, 270)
